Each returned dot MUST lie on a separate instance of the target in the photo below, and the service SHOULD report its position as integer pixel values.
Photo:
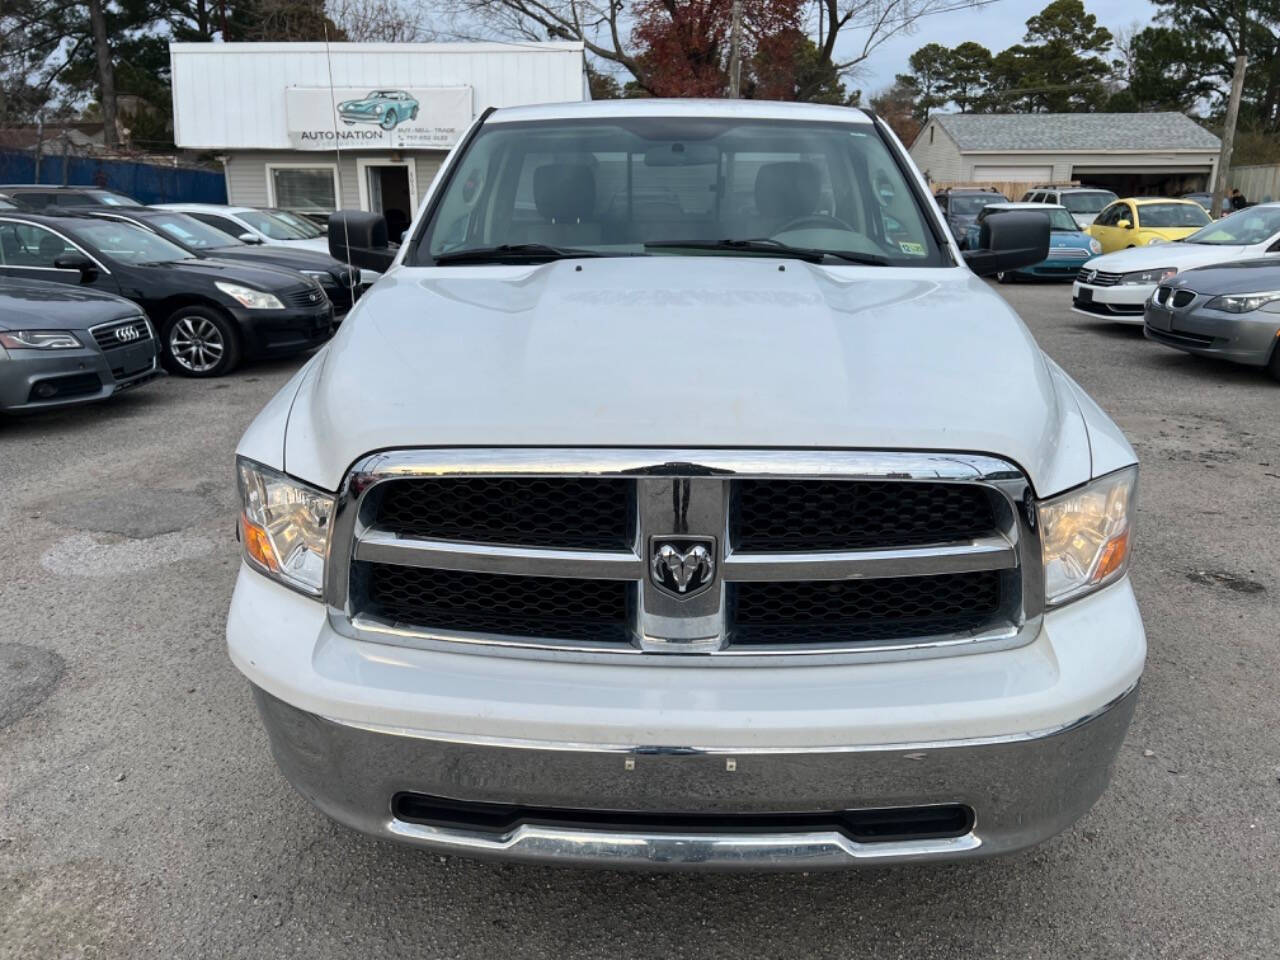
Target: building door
(387, 187)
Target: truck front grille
(798, 515)
(584, 550)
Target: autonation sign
(381, 118)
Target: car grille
(1109, 309)
(1182, 298)
(500, 557)
(312, 295)
(121, 333)
(1098, 278)
(1069, 253)
(790, 515)
(532, 511)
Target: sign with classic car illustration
(378, 118)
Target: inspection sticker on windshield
(914, 249)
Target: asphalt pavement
(141, 814)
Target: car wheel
(414, 115)
(200, 342)
(1004, 276)
(1273, 367)
(388, 120)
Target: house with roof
(1130, 153)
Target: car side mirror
(1010, 241)
(77, 261)
(249, 238)
(361, 239)
(1124, 224)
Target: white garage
(1130, 153)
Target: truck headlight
(1085, 536)
(249, 297)
(1239, 303)
(1158, 275)
(38, 340)
(284, 527)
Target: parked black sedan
(1228, 310)
(340, 282)
(61, 346)
(210, 313)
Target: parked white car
(681, 497)
(1117, 286)
(261, 225)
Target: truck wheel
(388, 120)
(200, 342)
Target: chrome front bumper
(1022, 789)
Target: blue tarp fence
(145, 182)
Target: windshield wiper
(770, 246)
(512, 251)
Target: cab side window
(28, 245)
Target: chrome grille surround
(685, 491)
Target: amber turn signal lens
(1113, 557)
(257, 545)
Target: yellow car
(1141, 221)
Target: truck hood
(686, 352)
(1184, 256)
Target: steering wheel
(815, 220)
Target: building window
(306, 189)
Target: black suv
(961, 205)
(209, 313)
(341, 283)
(36, 197)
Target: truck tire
(200, 341)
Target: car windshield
(1171, 215)
(1059, 219)
(1087, 202)
(271, 226)
(109, 199)
(968, 205)
(679, 185)
(191, 232)
(124, 241)
(1247, 227)
(306, 227)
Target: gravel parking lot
(141, 814)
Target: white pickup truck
(680, 496)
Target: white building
(314, 127)
(1130, 153)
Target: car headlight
(1095, 246)
(249, 297)
(319, 276)
(377, 108)
(1158, 275)
(1247, 302)
(284, 527)
(39, 340)
(1154, 240)
(1085, 536)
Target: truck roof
(646, 107)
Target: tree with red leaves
(683, 46)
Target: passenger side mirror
(249, 238)
(1124, 224)
(1012, 240)
(361, 239)
(77, 261)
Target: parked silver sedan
(1230, 311)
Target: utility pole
(106, 73)
(735, 52)
(1233, 112)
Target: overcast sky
(995, 27)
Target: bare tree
(602, 26)
(378, 21)
(106, 73)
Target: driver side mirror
(1012, 240)
(249, 238)
(361, 239)
(77, 261)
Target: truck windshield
(633, 186)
